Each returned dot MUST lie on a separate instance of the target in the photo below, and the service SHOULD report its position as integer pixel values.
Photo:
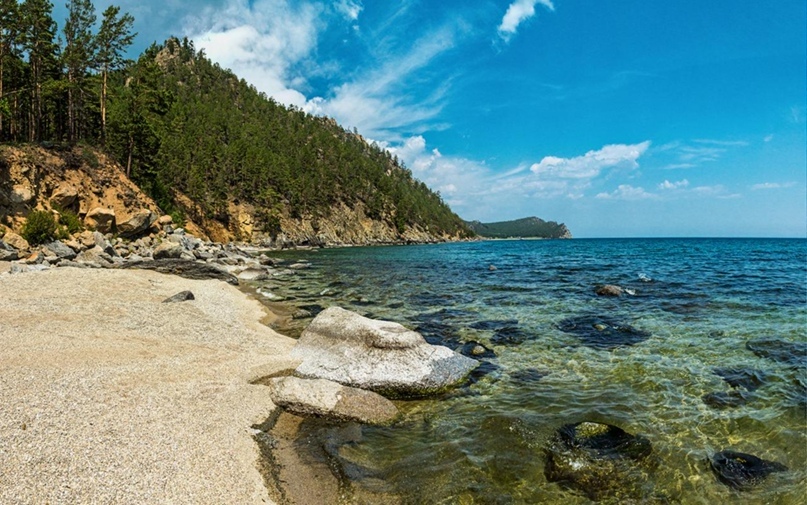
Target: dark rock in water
(312, 309)
(742, 471)
(609, 290)
(476, 350)
(598, 459)
(745, 378)
(184, 268)
(528, 376)
(509, 335)
(789, 353)
(182, 296)
(494, 324)
(301, 314)
(602, 332)
(722, 399)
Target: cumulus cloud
(673, 185)
(773, 185)
(261, 41)
(592, 163)
(626, 192)
(518, 12)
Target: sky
(620, 118)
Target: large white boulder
(381, 356)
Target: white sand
(108, 395)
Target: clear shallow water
(697, 303)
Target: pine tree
(78, 55)
(9, 37)
(39, 30)
(113, 38)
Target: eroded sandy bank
(108, 395)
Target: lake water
(646, 362)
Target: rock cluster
(153, 244)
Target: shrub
(39, 228)
(70, 221)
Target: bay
(651, 362)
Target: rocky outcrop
(78, 179)
(380, 356)
(185, 268)
(324, 398)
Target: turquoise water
(696, 303)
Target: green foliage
(217, 139)
(529, 227)
(89, 157)
(39, 228)
(70, 221)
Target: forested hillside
(528, 227)
(203, 143)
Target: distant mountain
(528, 227)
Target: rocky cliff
(84, 181)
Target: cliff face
(77, 179)
(83, 180)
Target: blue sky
(619, 118)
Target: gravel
(108, 395)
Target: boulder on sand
(381, 356)
(324, 398)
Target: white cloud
(627, 192)
(673, 185)
(261, 42)
(349, 9)
(378, 103)
(518, 12)
(592, 163)
(773, 185)
(768, 138)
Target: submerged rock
(603, 332)
(528, 376)
(381, 356)
(726, 399)
(324, 398)
(742, 471)
(781, 351)
(609, 290)
(746, 378)
(597, 459)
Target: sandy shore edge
(108, 395)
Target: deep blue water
(647, 366)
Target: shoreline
(110, 394)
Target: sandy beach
(109, 395)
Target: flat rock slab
(324, 398)
(184, 268)
(380, 356)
